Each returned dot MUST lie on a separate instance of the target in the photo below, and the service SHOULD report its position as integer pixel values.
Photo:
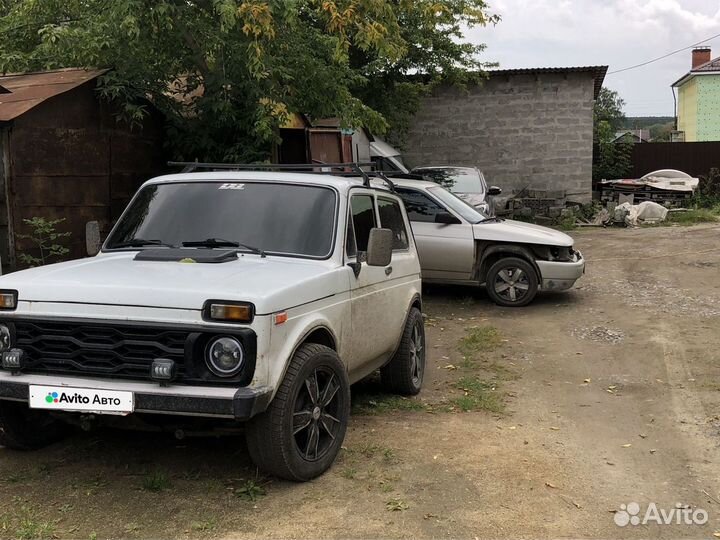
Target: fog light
(13, 359)
(5, 340)
(162, 370)
(225, 356)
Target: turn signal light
(8, 300)
(241, 312)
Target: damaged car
(460, 245)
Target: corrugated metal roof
(27, 90)
(598, 72)
(713, 66)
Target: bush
(708, 192)
(45, 236)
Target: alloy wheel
(316, 422)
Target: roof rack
(355, 169)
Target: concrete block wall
(523, 131)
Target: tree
(611, 160)
(228, 73)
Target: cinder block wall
(521, 130)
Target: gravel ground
(608, 395)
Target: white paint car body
(324, 299)
(458, 252)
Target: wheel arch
(490, 254)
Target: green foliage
(478, 340)
(250, 491)
(228, 73)
(708, 192)
(612, 159)
(45, 236)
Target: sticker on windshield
(232, 186)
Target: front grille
(117, 350)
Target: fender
(296, 330)
(415, 299)
(511, 249)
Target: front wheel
(512, 282)
(22, 428)
(300, 434)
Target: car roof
(342, 183)
(409, 183)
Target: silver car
(458, 244)
(468, 183)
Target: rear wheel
(22, 428)
(512, 282)
(404, 374)
(300, 434)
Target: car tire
(512, 282)
(298, 437)
(404, 373)
(22, 428)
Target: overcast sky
(618, 33)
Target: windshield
(455, 179)
(456, 204)
(283, 219)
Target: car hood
(473, 199)
(520, 232)
(271, 283)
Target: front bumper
(560, 276)
(208, 401)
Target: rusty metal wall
(71, 158)
(326, 145)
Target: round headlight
(225, 356)
(5, 343)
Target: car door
(372, 339)
(447, 251)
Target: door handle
(388, 270)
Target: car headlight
(5, 339)
(225, 356)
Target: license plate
(65, 398)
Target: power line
(664, 56)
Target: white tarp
(645, 211)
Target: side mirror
(92, 238)
(446, 218)
(380, 244)
(494, 190)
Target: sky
(618, 33)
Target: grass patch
(482, 339)
(478, 395)
(156, 481)
(385, 403)
(250, 491)
(207, 525)
(691, 217)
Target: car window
(363, 217)
(391, 218)
(456, 180)
(456, 204)
(419, 207)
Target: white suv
(225, 297)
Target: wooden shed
(65, 154)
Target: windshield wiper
(219, 242)
(140, 242)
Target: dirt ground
(596, 398)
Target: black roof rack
(345, 169)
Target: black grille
(123, 351)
